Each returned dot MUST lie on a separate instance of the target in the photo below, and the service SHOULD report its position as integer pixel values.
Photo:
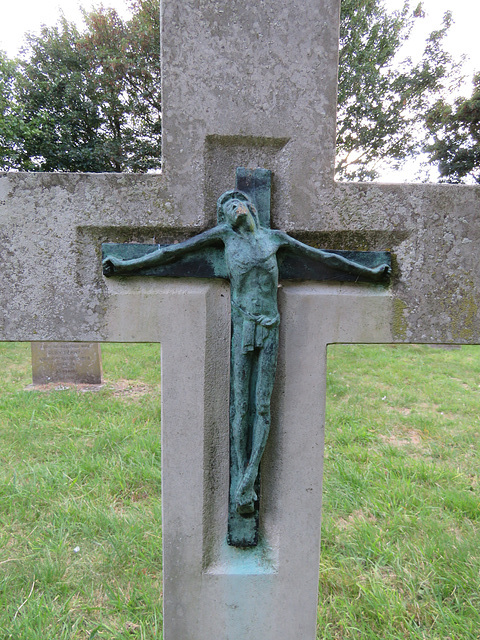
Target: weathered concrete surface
(77, 362)
(248, 85)
(434, 234)
(51, 229)
(191, 320)
(52, 226)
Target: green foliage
(382, 101)
(456, 137)
(128, 76)
(61, 111)
(11, 124)
(91, 99)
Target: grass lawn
(80, 520)
(401, 526)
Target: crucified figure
(250, 253)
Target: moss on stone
(399, 321)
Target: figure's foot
(245, 501)
(245, 509)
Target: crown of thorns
(233, 195)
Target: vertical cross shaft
(241, 87)
(249, 87)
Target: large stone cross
(242, 86)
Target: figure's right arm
(162, 255)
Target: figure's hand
(382, 272)
(111, 265)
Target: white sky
(463, 35)
(21, 16)
(462, 40)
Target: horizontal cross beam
(210, 263)
(52, 227)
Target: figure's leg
(267, 360)
(241, 367)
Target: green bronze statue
(243, 249)
(251, 258)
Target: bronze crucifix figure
(244, 249)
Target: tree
(455, 131)
(60, 105)
(128, 76)
(11, 124)
(382, 102)
(91, 99)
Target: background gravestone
(75, 362)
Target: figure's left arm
(333, 260)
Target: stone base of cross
(252, 88)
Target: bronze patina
(244, 249)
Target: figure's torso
(253, 270)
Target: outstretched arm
(335, 261)
(162, 255)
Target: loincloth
(255, 328)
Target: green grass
(401, 525)
(80, 521)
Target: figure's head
(235, 208)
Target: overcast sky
(21, 16)
(463, 36)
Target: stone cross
(251, 86)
